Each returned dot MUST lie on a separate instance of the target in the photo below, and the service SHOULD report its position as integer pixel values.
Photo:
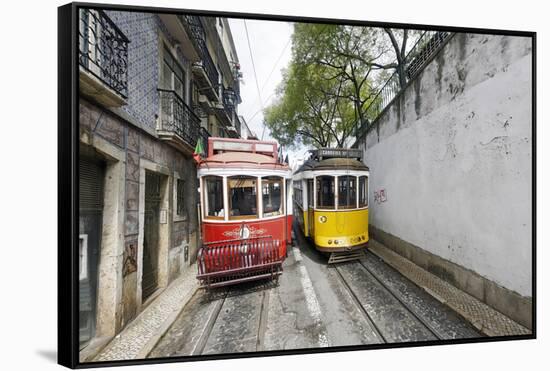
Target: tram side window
(347, 193)
(363, 191)
(310, 193)
(213, 197)
(242, 197)
(298, 192)
(325, 192)
(272, 196)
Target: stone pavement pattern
(310, 307)
(142, 333)
(182, 321)
(487, 320)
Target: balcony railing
(103, 50)
(177, 117)
(229, 101)
(204, 134)
(427, 45)
(196, 30)
(237, 88)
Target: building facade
(151, 87)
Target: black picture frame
(68, 175)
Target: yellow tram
(331, 199)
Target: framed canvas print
(240, 185)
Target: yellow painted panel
(350, 228)
(305, 230)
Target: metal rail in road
(372, 322)
(405, 305)
(356, 302)
(360, 306)
(199, 348)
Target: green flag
(198, 150)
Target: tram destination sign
(322, 153)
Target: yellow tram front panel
(305, 226)
(341, 230)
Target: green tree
(328, 84)
(309, 109)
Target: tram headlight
(323, 219)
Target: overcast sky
(271, 50)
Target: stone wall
(452, 155)
(126, 140)
(143, 30)
(98, 125)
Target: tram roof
(242, 159)
(337, 163)
(242, 153)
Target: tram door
(149, 282)
(310, 221)
(90, 228)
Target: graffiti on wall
(380, 196)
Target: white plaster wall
(456, 166)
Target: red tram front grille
(242, 260)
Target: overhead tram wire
(276, 63)
(272, 70)
(269, 76)
(260, 110)
(255, 74)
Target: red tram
(245, 211)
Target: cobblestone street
(312, 306)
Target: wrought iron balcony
(237, 88)
(178, 123)
(226, 107)
(103, 57)
(208, 75)
(229, 98)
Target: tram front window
(272, 196)
(242, 197)
(213, 197)
(347, 186)
(325, 192)
(363, 191)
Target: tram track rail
(213, 318)
(405, 305)
(360, 306)
(262, 326)
(207, 330)
(372, 323)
